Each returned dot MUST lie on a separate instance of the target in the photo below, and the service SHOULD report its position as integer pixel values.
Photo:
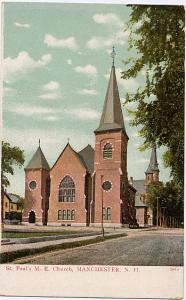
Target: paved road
(145, 249)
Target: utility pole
(157, 212)
(102, 227)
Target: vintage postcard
(92, 168)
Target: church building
(89, 187)
(144, 214)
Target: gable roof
(112, 116)
(13, 197)
(139, 185)
(76, 154)
(38, 161)
(87, 155)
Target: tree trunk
(2, 208)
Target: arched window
(107, 151)
(59, 214)
(67, 190)
(73, 214)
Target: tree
(169, 202)
(157, 33)
(11, 157)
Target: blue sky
(56, 67)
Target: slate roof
(112, 117)
(38, 161)
(13, 198)
(153, 165)
(87, 155)
(138, 202)
(139, 185)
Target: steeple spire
(38, 160)
(112, 117)
(113, 54)
(153, 165)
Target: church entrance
(32, 217)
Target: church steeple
(112, 117)
(152, 172)
(38, 161)
(153, 165)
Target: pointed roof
(112, 117)
(76, 154)
(38, 161)
(87, 155)
(153, 165)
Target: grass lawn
(35, 234)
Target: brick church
(87, 187)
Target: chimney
(131, 181)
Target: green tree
(11, 157)
(168, 197)
(157, 33)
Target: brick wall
(115, 171)
(68, 164)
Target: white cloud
(69, 61)
(118, 38)
(22, 64)
(87, 70)
(24, 25)
(88, 92)
(84, 114)
(30, 110)
(50, 96)
(51, 118)
(52, 41)
(110, 19)
(51, 86)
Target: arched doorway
(32, 217)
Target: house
(12, 206)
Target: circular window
(106, 185)
(32, 185)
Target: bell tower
(110, 165)
(152, 172)
(37, 189)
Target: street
(148, 248)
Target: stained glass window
(67, 190)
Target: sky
(56, 68)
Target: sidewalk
(12, 251)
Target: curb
(6, 257)
(46, 238)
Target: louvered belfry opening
(107, 151)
